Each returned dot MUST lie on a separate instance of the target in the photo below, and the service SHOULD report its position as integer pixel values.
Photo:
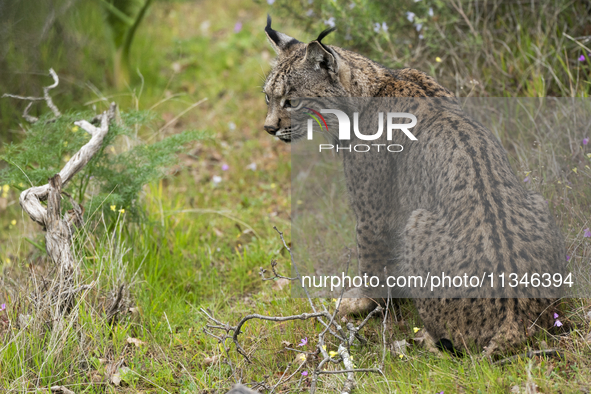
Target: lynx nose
(271, 129)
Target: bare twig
(46, 97)
(345, 339)
(30, 199)
(263, 271)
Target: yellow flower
(67, 158)
(113, 149)
(13, 222)
(416, 329)
(438, 59)
(301, 357)
(300, 202)
(589, 155)
(527, 173)
(21, 184)
(74, 129)
(273, 186)
(324, 347)
(332, 353)
(401, 356)
(113, 208)
(65, 143)
(5, 188)
(122, 210)
(7, 260)
(351, 357)
(575, 170)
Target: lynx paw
(354, 303)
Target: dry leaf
(135, 341)
(61, 389)
(280, 283)
(399, 347)
(211, 360)
(287, 344)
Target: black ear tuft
(321, 35)
(281, 43)
(270, 32)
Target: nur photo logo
(344, 130)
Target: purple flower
(557, 323)
(330, 22)
(587, 233)
(376, 27)
(582, 58)
(2, 307)
(237, 27)
(526, 180)
(384, 27)
(585, 140)
(270, 2)
(567, 258)
(304, 342)
(305, 373)
(225, 167)
(555, 315)
(410, 16)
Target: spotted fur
(444, 204)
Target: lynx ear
(281, 43)
(319, 55)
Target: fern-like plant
(112, 180)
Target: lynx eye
(292, 103)
(266, 98)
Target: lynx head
(301, 70)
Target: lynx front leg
(375, 251)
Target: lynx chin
(448, 200)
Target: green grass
(201, 245)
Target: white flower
(310, 12)
(252, 166)
(384, 27)
(351, 6)
(216, 179)
(430, 11)
(232, 126)
(330, 22)
(421, 36)
(419, 26)
(270, 2)
(410, 16)
(376, 27)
